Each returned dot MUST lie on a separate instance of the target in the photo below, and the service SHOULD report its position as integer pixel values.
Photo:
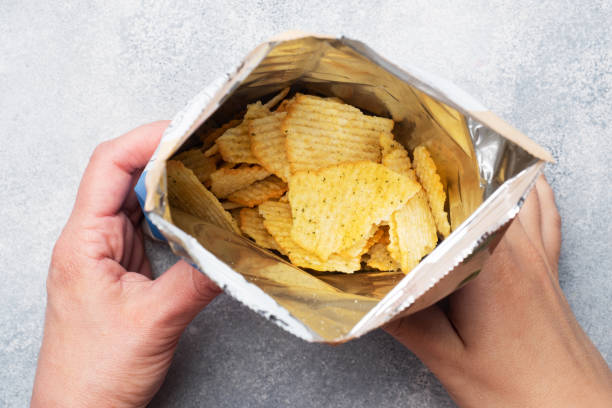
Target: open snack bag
(329, 190)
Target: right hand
(509, 337)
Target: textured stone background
(73, 75)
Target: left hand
(110, 330)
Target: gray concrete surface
(73, 74)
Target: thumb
(428, 334)
(183, 292)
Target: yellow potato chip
(251, 224)
(412, 232)
(258, 192)
(235, 144)
(208, 138)
(395, 157)
(430, 180)
(284, 105)
(321, 133)
(228, 205)
(268, 144)
(276, 99)
(225, 181)
(363, 245)
(214, 149)
(195, 160)
(277, 220)
(186, 193)
(236, 214)
(379, 258)
(334, 99)
(335, 208)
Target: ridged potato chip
(228, 205)
(395, 157)
(412, 232)
(321, 133)
(268, 144)
(214, 149)
(284, 105)
(277, 220)
(208, 139)
(430, 180)
(379, 258)
(277, 98)
(363, 245)
(251, 224)
(235, 144)
(186, 193)
(258, 192)
(225, 181)
(195, 160)
(335, 208)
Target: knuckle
(102, 150)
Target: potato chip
(277, 220)
(284, 105)
(208, 139)
(363, 245)
(228, 205)
(186, 193)
(251, 224)
(430, 180)
(335, 208)
(235, 144)
(321, 133)
(268, 144)
(334, 99)
(395, 157)
(235, 212)
(276, 99)
(258, 192)
(225, 181)
(379, 258)
(212, 151)
(195, 160)
(412, 232)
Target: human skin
(110, 330)
(509, 337)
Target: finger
(131, 206)
(183, 292)
(128, 243)
(138, 254)
(530, 216)
(428, 334)
(145, 268)
(112, 167)
(550, 223)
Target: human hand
(110, 330)
(509, 338)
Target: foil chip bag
(487, 169)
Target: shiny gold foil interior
(331, 304)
